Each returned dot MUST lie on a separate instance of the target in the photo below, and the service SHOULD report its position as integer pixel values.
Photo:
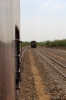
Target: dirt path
(27, 90)
(40, 88)
(32, 87)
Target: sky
(42, 20)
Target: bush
(25, 43)
(56, 43)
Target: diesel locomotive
(33, 44)
(10, 49)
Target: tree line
(55, 43)
(26, 43)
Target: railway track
(59, 51)
(53, 62)
(56, 51)
(23, 51)
(61, 57)
(21, 58)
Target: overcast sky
(42, 20)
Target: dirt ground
(37, 80)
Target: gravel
(55, 84)
(27, 91)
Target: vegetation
(55, 43)
(41, 44)
(25, 43)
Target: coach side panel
(8, 20)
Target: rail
(55, 50)
(51, 63)
(53, 59)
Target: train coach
(10, 49)
(33, 44)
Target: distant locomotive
(10, 51)
(33, 44)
